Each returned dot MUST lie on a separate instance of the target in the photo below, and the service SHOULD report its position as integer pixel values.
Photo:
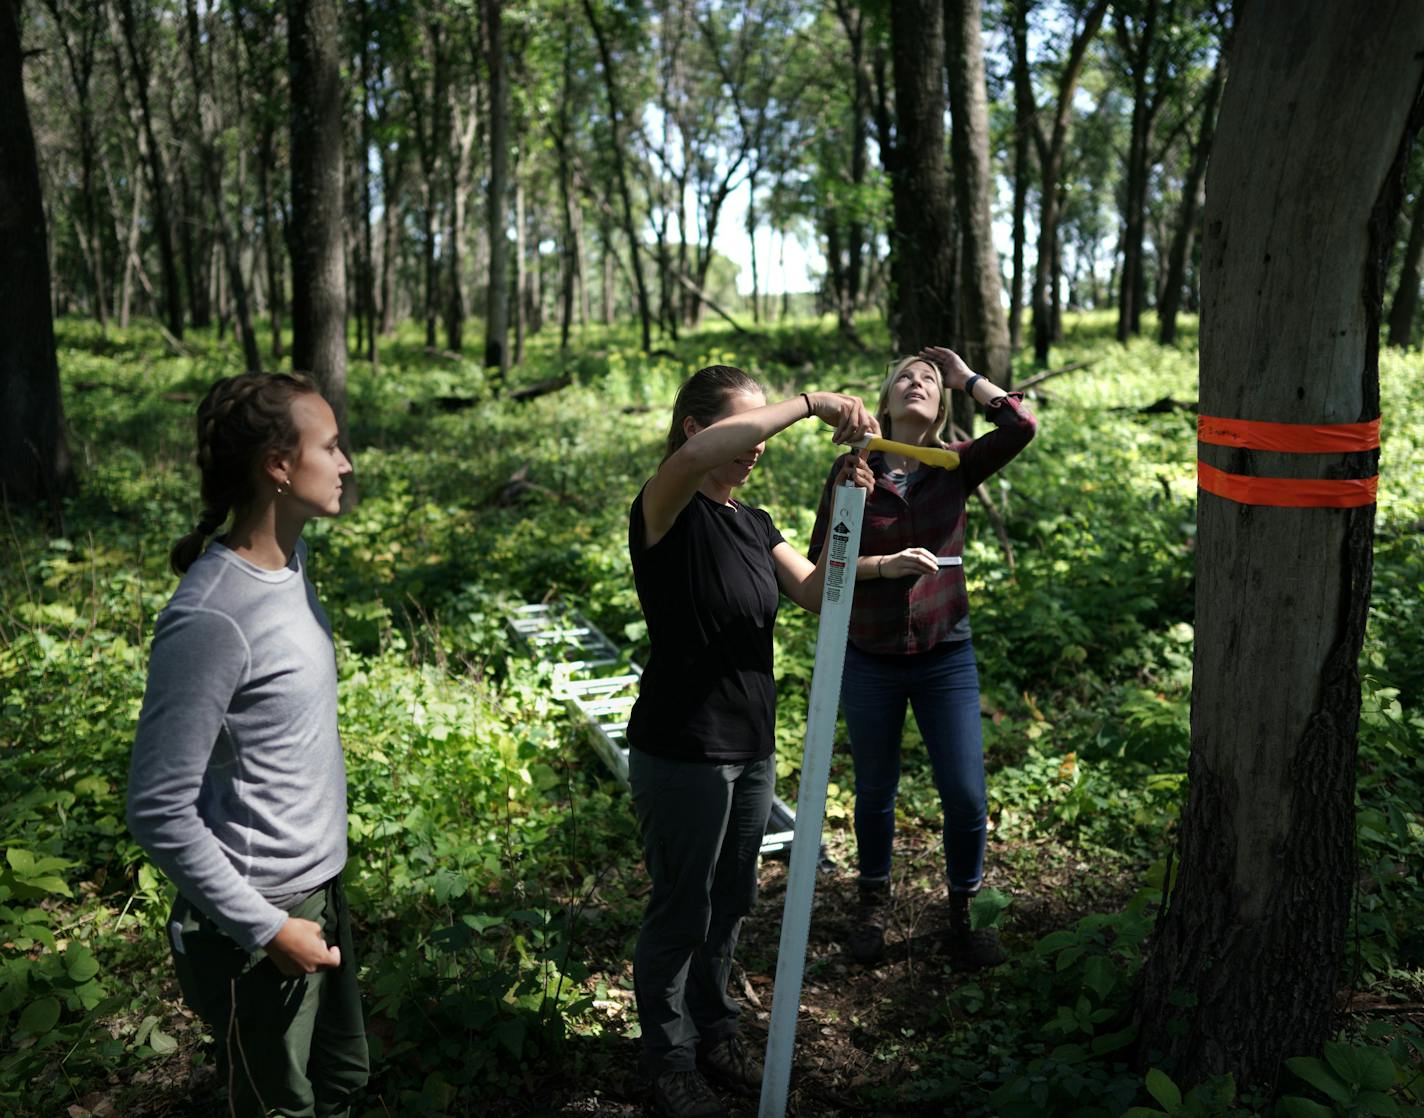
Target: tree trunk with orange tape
(1302, 192)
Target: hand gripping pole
(843, 543)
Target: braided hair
(703, 396)
(241, 421)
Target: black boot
(867, 934)
(969, 949)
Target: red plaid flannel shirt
(904, 615)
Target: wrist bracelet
(971, 382)
(880, 567)
(810, 411)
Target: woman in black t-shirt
(708, 571)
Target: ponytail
(703, 397)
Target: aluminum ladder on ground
(594, 678)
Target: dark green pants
(289, 1046)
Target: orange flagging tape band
(1288, 492)
(1293, 438)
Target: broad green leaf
(1319, 1076)
(40, 1016)
(50, 884)
(80, 964)
(988, 908)
(161, 1042)
(1100, 976)
(1377, 1102)
(21, 861)
(1161, 1088)
(510, 1033)
(1293, 1106)
(1111, 1042)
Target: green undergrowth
(494, 867)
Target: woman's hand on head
(911, 561)
(951, 366)
(299, 947)
(847, 414)
(856, 471)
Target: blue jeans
(702, 826)
(942, 686)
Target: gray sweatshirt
(237, 786)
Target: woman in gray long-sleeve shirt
(237, 787)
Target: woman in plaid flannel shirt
(910, 638)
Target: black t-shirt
(708, 590)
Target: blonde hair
(882, 406)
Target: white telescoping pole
(843, 540)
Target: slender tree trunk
(199, 296)
(924, 219)
(520, 310)
(1025, 108)
(368, 245)
(497, 316)
(1245, 965)
(34, 456)
(78, 33)
(1144, 107)
(315, 233)
(751, 242)
(1191, 198)
(1050, 160)
(211, 162)
(570, 255)
(392, 177)
(570, 267)
(1406, 295)
(157, 177)
(986, 332)
(464, 126)
(615, 118)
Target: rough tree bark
(34, 456)
(986, 331)
(315, 233)
(1244, 968)
(924, 217)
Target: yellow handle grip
(929, 455)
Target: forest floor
(854, 1021)
(478, 821)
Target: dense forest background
(500, 234)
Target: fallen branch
(1039, 378)
(173, 343)
(704, 297)
(518, 488)
(541, 388)
(443, 354)
(176, 397)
